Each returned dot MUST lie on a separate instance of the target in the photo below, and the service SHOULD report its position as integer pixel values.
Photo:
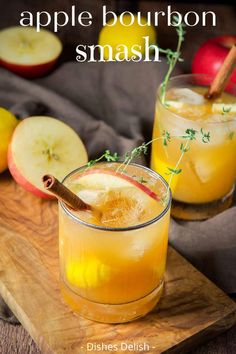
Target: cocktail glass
(205, 175)
(115, 274)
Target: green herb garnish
(172, 56)
(166, 136)
(174, 171)
(140, 179)
(188, 137)
(190, 134)
(205, 136)
(226, 110)
(107, 156)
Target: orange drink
(113, 257)
(204, 182)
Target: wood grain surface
(191, 311)
(16, 340)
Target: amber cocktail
(113, 257)
(205, 175)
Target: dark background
(72, 36)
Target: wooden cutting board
(191, 311)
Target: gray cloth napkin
(111, 106)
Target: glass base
(111, 313)
(185, 211)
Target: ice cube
(128, 207)
(201, 170)
(217, 118)
(211, 118)
(92, 197)
(122, 210)
(186, 95)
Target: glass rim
(120, 229)
(182, 76)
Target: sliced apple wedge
(110, 179)
(42, 145)
(27, 52)
(118, 199)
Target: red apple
(42, 145)
(100, 178)
(211, 55)
(27, 52)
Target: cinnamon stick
(222, 77)
(52, 185)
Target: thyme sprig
(205, 136)
(166, 137)
(175, 171)
(226, 110)
(172, 56)
(140, 150)
(107, 156)
(189, 135)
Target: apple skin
(29, 71)
(211, 55)
(20, 179)
(129, 179)
(19, 170)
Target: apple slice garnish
(43, 145)
(110, 179)
(119, 199)
(27, 52)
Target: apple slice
(118, 199)
(110, 179)
(27, 52)
(42, 145)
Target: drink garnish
(63, 193)
(186, 139)
(222, 77)
(172, 56)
